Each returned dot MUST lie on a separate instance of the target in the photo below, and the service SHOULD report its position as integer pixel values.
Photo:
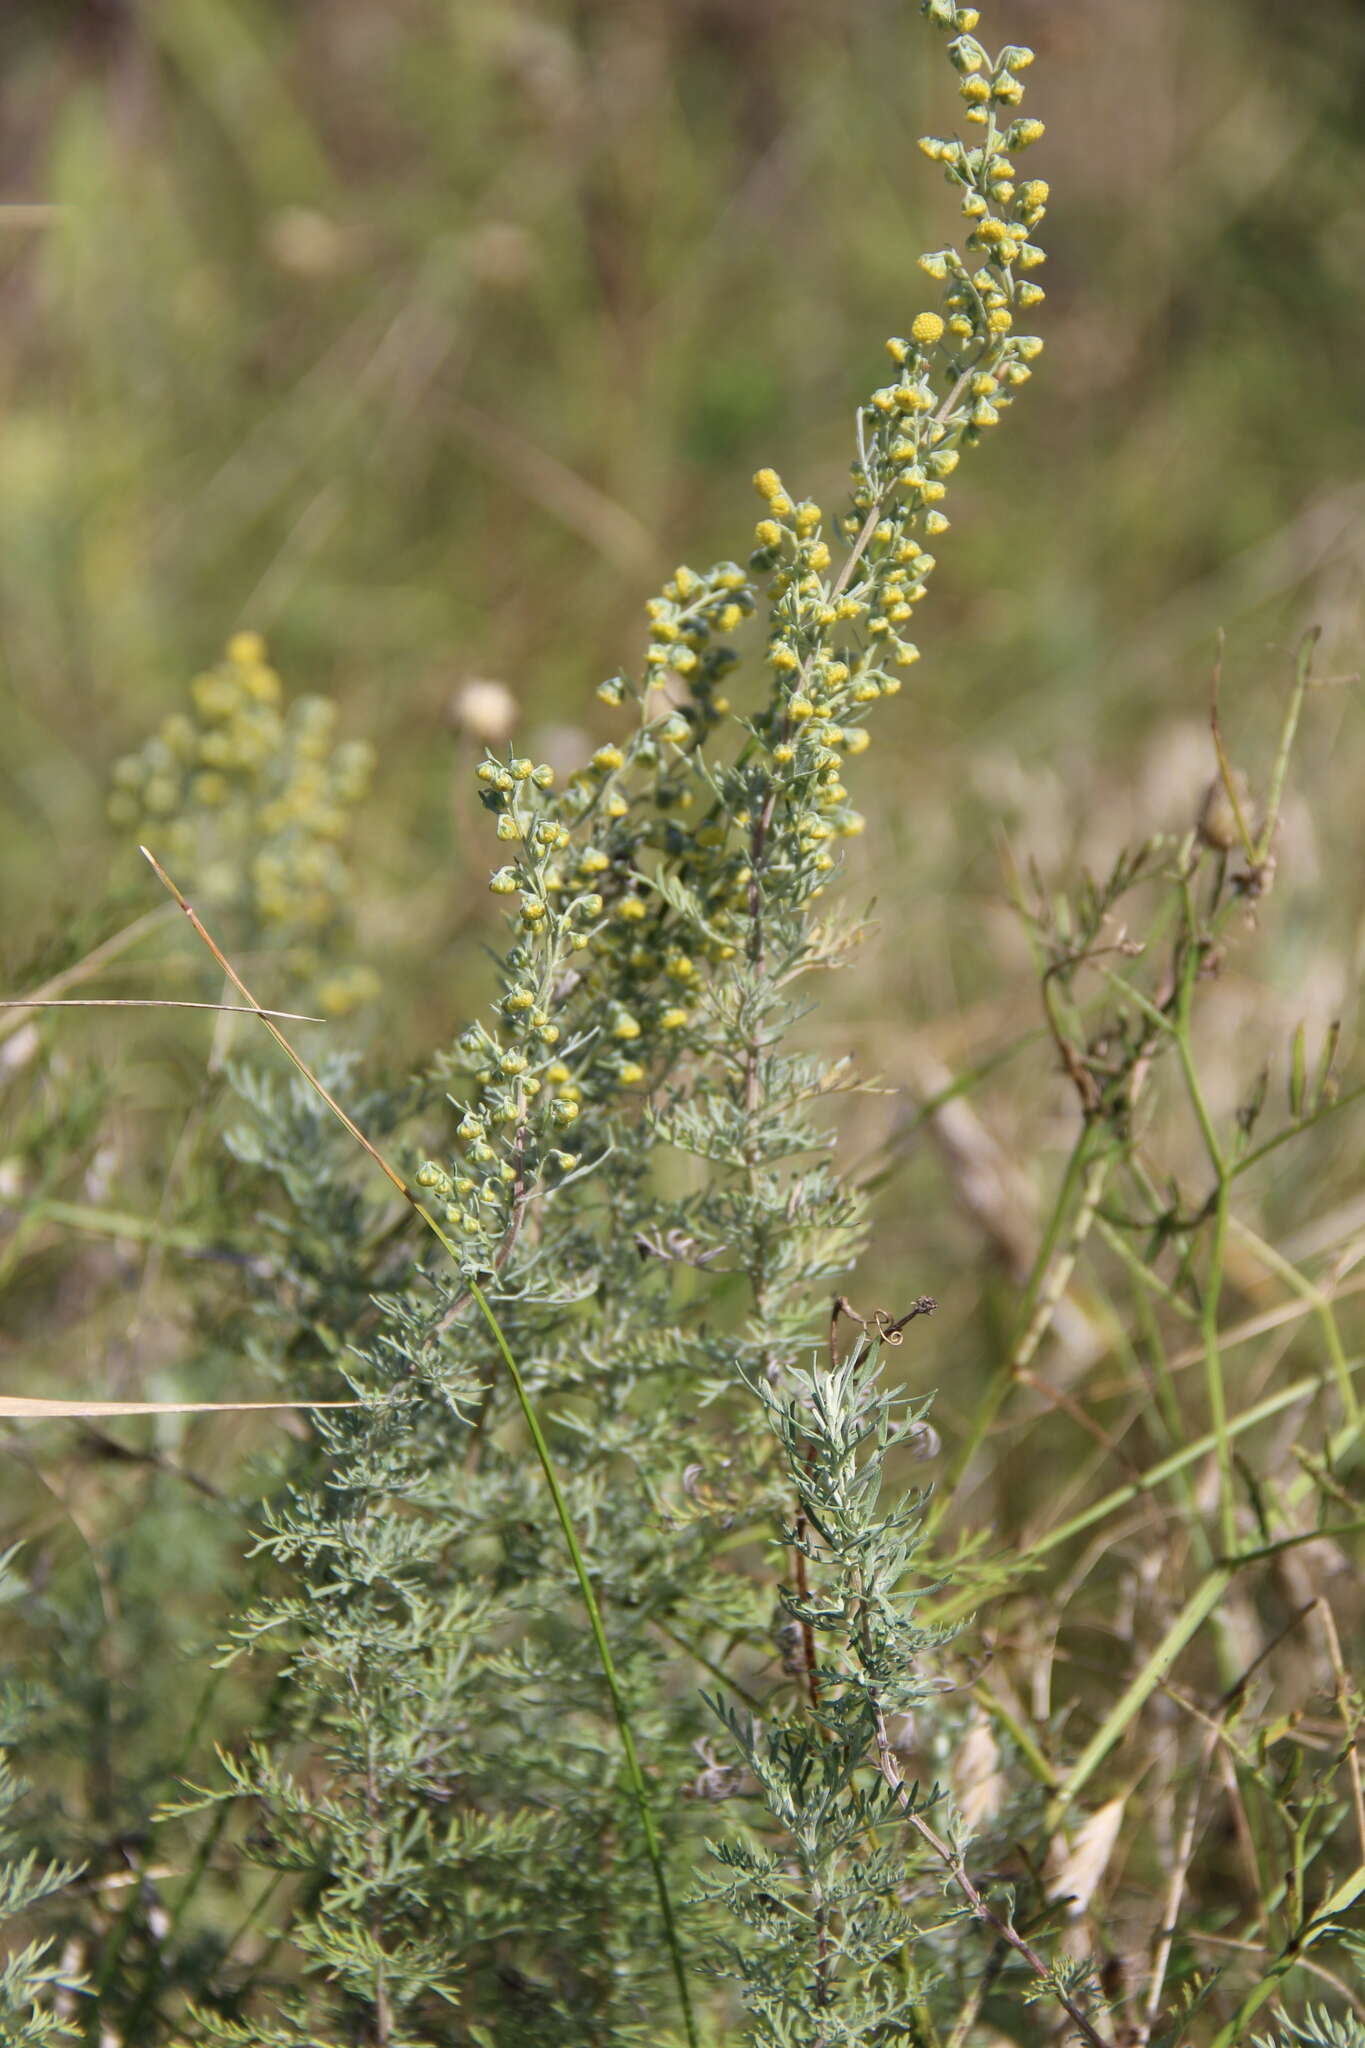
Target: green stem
(648, 1825)
(1142, 1275)
(969, 1600)
(118, 1223)
(998, 1387)
(639, 1790)
(1168, 1408)
(1345, 1896)
(1213, 1375)
(1291, 1131)
(1211, 1292)
(1299, 1283)
(1303, 667)
(1187, 1623)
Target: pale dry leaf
(485, 709)
(33, 1408)
(975, 1775)
(1075, 1868)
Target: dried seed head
(975, 1775)
(484, 709)
(923, 1441)
(791, 1648)
(720, 1781)
(1217, 823)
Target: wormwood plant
(608, 1682)
(665, 908)
(251, 796)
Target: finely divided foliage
(470, 1840)
(604, 1640)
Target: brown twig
(1175, 1892)
(1350, 1724)
(148, 1003)
(957, 1871)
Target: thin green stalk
(1021, 1736)
(118, 1223)
(648, 1824)
(620, 1708)
(1319, 1923)
(1197, 1609)
(1213, 1374)
(975, 1999)
(967, 1601)
(1211, 1291)
(1163, 1386)
(1345, 1100)
(1185, 1049)
(1338, 1444)
(1303, 668)
(1328, 1532)
(1190, 1619)
(1299, 1283)
(82, 970)
(1139, 1271)
(1029, 1333)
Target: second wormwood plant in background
(601, 1648)
(642, 1190)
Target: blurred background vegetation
(426, 338)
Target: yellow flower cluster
(985, 358)
(633, 891)
(838, 642)
(251, 800)
(525, 1098)
(834, 649)
(687, 621)
(636, 798)
(591, 939)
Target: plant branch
(620, 1707)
